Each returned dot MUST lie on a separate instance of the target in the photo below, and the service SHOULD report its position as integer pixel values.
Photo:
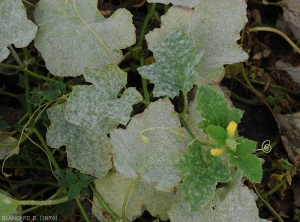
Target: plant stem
(268, 205)
(45, 146)
(86, 218)
(43, 202)
(8, 94)
(144, 84)
(246, 101)
(103, 204)
(59, 191)
(269, 29)
(15, 55)
(131, 186)
(145, 24)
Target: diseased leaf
(175, 66)
(87, 150)
(15, 28)
(189, 3)
(249, 164)
(214, 110)
(214, 29)
(202, 173)
(74, 35)
(114, 187)
(89, 105)
(151, 146)
(291, 70)
(8, 206)
(5, 151)
(234, 202)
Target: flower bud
(231, 129)
(217, 152)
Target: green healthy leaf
(87, 150)
(58, 86)
(202, 173)
(89, 105)
(74, 35)
(214, 27)
(151, 146)
(175, 67)
(218, 134)
(15, 28)
(8, 205)
(38, 96)
(234, 202)
(214, 110)
(74, 191)
(249, 164)
(113, 189)
(189, 3)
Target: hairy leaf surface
(213, 27)
(151, 145)
(74, 35)
(234, 202)
(114, 187)
(175, 66)
(214, 110)
(87, 150)
(15, 28)
(89, 105)
(202, 173)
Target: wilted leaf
(74, 35)
(202, 173)
(294, 72)
(151, 145)
(114, 187)
(291, 14)
(175, 66)
(88, 150)
(234, 202)
(88, 105)
(15, 28)
(214, 29)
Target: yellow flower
(231, 129)
(217, 152)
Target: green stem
(268, 205)
(15, 55)
(103, 204)
(144, 84)
(43, 202)
(145, 24)
(186, 126)
(269, 29)
(45, 146)
(246, 101)
(86, 218)
(8, 94)
(130, 188)
(59, 191)
(27, 95)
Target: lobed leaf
(175, 66)
(233, 202)
(89, 105)
(214, 30)
(73, 35)
(87, 150)
(114, 187)
(214, 110)
(249, 164)
(15, 28)
(151, 145)
(202, 173)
